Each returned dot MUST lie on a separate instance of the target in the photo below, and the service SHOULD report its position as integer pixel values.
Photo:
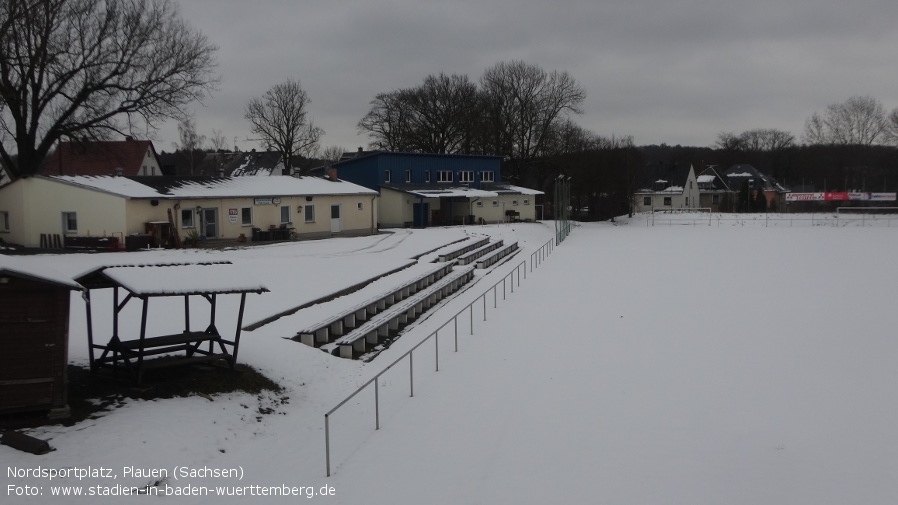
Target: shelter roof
(11, 266)
(174, 279)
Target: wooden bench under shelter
(130, 349)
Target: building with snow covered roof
(126, 157)
(418, 189)
(714, 192)
(666, 186)
(215, 208)
(741, 175)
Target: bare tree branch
(84, 69)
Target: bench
(466, 248)
(132, 353)
(490, 259)
(324, 330)
(373, 331)
(472, 256)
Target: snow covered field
(668, 364)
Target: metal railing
(536, 258)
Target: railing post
(327, 444)
(472, 317)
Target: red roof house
(126, 157)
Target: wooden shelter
(34, 335)
(130, 349)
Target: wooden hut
(34, 334)
(135, 349)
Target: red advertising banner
(841, 196)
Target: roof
(214, 187)
(429, 191)
(176, 279)
(709, 181)
(736, 174)
(663, 178)
(98, 158)
(11, 266)
(368, 154)
(258, 163)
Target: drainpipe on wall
(373, 223)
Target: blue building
(423, 190)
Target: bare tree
(85, 69)
(891, 132)
(282, 120)
(860, 120)
(527, 101)
(387, 123)
(332, 154)
(729, 141)
(766, 140)
(218, 141)
(191, 142)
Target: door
(210, 222)
(336, 218)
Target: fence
(536, 259)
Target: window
(360, 205)
(486, 176)
(69, 222)
(687, 201)
(466, 176)
(408, 176)
(387, 175)
(246, 216)
(4, 221)
(427, 176)
(667, 200)
(647, 201)
(715, 198)
(444, 176)
(526, 202)
(310, 213)
(186, 218)
(479, 203)
(495, 203)
(285, 214)
(514, 203)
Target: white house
(667, 186)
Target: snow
(231, 187)
(15, 266)
(633, 366)
(183, 279)
(704, 179)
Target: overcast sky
(663, 71)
